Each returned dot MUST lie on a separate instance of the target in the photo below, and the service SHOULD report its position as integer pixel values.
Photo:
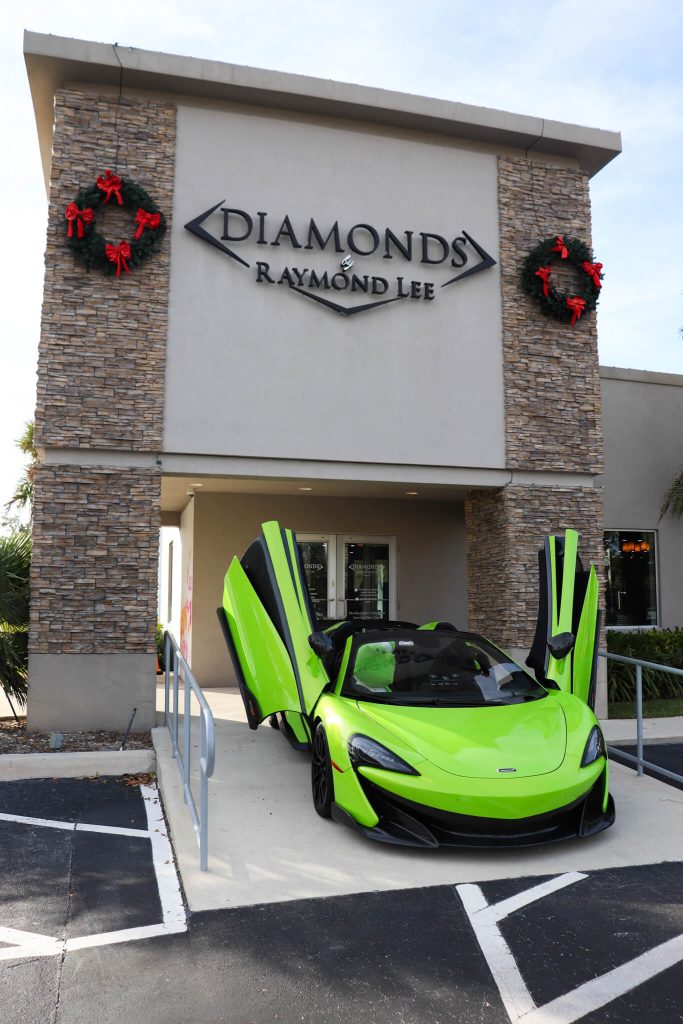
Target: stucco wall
(642, 416)
(431, 558)
(259, 370)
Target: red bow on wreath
(593, 270)
(74, 214)
(111, 185)
(544, 274)
(118, 254)
(143, 219)
(577, 306)
(560, 247)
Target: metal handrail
(639, 760)
(207, 739)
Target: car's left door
(269, 616)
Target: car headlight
(364, 751)
(595, 747)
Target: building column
(505, 530)
(553, 430)
(99, 429)
(93, 597)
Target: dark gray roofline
(641, 376)
(53, 61)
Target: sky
(616, 65)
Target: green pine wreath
(567, 306)
(91, 248)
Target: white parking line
(23, 945)
(172, 907)
(21, 819)
(566, 1009)
(76, 826)
(608, 987)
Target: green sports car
(428, 735)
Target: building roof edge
(52, 61)
(641, 376)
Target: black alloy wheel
(321, 774)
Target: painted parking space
(600, 947)
(87, 866)
(410, 956)
(581, 946)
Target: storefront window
(630, 578)
(366, 580)
(315, 563)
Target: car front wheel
(321, 774)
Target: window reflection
(314, 560)
(630, 578)
(366, 580)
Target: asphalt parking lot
(665, 755)
(92, 929)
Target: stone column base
(505, 530)
(73, 692)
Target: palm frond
(23, 495)
(15, 565)
(14, 662)
(26, 444)
(673, 499)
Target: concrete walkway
(266, 843)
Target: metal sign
(328, 263)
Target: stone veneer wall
(101, 375)
(552, 384)
(505, 530)
(102, 355)
(95, 558)
(552, 411)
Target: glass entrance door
(367, 573)
(352, 576)
(318, 554)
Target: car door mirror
(561, 644)
(321, 643)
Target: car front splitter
(404, 823)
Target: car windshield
(434, 668)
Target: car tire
(273, 722)
(322, 785)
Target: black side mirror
(321, 643)
(561, 644)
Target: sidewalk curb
(655, 730)
(76, 764)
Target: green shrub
(160, 647)
(15, 564)
(663, 646)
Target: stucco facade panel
(431, 557)
(643, 453)
(259, 369)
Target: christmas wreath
(91, 248)
(537, 278)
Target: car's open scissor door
(268, 616)
(565, 647)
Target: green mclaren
(427, 735)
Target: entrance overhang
(183, 475)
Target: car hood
(478, 742)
